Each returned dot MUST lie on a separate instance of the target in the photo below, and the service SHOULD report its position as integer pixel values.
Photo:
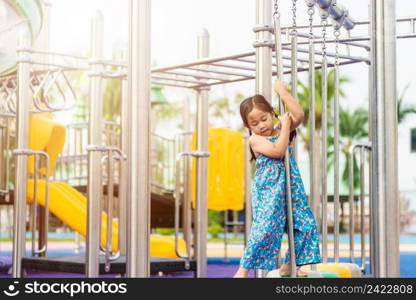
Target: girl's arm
(291, 103)
(277, 149)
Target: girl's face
(260, 122)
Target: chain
(276, 13)
(294, 30)
(336, 34)
(311, 12)
(324, 23)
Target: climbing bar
(279, 75)
(336, 150)
(324, 144)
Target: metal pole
(247, 189)
(279, 72)
(94, 157)
(202, 165)
(225, 234)
(336, 153)
(138, 263)
(313, 188)
(324, 145)
(384, 129)
(370, 163)
(351, 202)
(45, 34)
(22, 120)
(264, 52)
(264, 60)
(34, 204)
(110, 205)
(294, 68)
(362, 207)
(125, 180)
(187, 187)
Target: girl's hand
(286, 120)
(280, 87)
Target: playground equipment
(132, 152)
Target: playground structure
(124, 149)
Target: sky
(174, 28)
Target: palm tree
(353, 127)
(303, 98)
(404, 111)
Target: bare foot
(241, 273)
(285, 271)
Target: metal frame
(199, 75)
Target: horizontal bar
(177, 79)
(254, 61)
(196, 75)
(220, 71)
(171, 84)
(226, 65)
(285, 72)
(204, 61)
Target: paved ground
(217, 266)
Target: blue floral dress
(269, 216)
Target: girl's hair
(259, 102)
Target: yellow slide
(70, 206)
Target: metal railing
(111, 153)
(34, 209)
(71, 166)
(362, 148)
(177, 195)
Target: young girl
(268, 146)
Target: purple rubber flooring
(214, 270)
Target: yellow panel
(225, 170)
(342, 270)
(45, 135)
(70, 206)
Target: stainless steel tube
(324, 153)
(124, 180)
(247, 190)
(279, 72)
(351, 202)
(294, 80)
(264, 53)
(34, 205)
(362, 207)
(336, 163)
(187, 187)
(201, 221)
(110, 204)
(95, 129)
(313, 167)
(22, 120)
(177, 197)
(138, 262)
(384, 139)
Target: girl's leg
(306, 247)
